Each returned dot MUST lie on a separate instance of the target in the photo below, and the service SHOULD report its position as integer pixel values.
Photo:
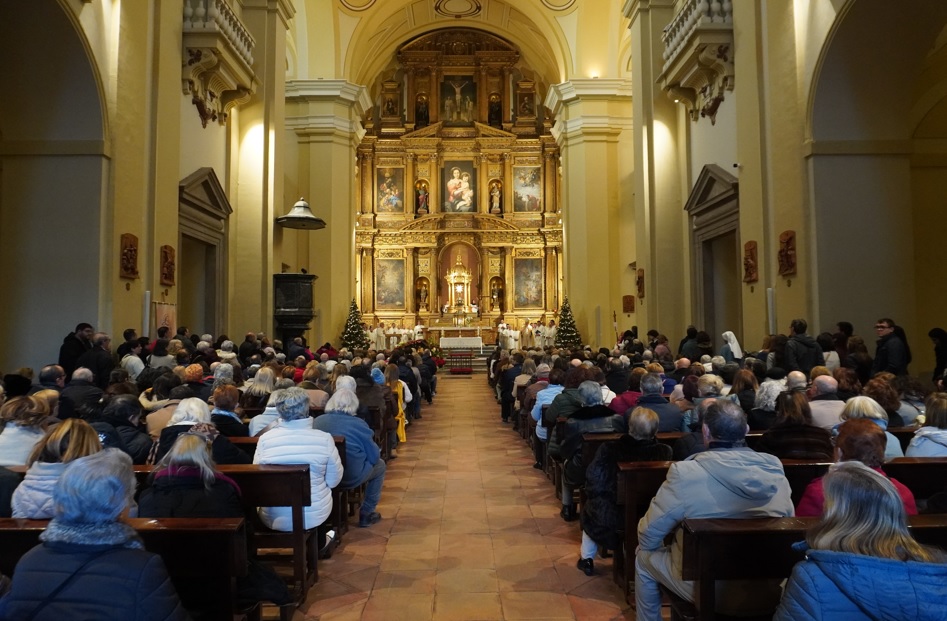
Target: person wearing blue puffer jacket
(861, 562)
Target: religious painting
(389, 284)
(458, 99)
(527, 283)
(390, 186)
(460, 183)
(527, 189)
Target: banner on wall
(166, 315)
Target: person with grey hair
(796, 380)
(725, 481)
(824, 402)
(90, 564)
(294, 441)
(670, 416)
(269, 418)
(80, 391)
(363, 462)
(601, 518)
(593, 417)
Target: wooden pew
(904, 435)
(274, 486)
(924, 476)
(638, 483)
(204, 556)
(671, 437)
(741, 549)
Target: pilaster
(325, 118)
(591, 117)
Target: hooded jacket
(802, 353)
(928, 442)
(718, 483)
(837, 585)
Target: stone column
(409, 96)
(507, 98)
(483, 95)
(434, 200)
(507, 184)
(483, 184)
(591, 116)
(325, 116)
(434, 106)
(660, 224)
(256, 243)
(549, 182)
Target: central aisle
(469, 531)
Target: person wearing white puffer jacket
(294, 441)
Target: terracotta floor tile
(536, 605)
(387, 606)
(529, 576)
(467, 607)
(466, 581)
(410, 581)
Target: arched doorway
(54, 173)
(878, 168)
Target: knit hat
(16, 385)
(377, 376)
(193, 373)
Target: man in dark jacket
(507, 398)
(80, 391)
(802, 351)
(124, 414)
(892, 354)
(99, 359)
(669, 415)
(616, 376)
(74, 345)
(688, 348)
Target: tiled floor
(469, 530)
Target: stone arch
(877, 118)
(54, 172)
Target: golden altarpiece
(459, 225)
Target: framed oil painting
(527, 189)
(460, 185)
(458, 100)
(389, 284)
(390, 190)
(527, 283)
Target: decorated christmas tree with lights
(353, 336)
(566, 335)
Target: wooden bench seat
(742, 549)
(639, 482)
(274, 486)
(924, 476)
(204, 556)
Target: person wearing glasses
(892, 354)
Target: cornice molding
(328, 90)
(586, 88)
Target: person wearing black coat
(793, 436)
(938, 336)
(74, 345)
(593, 417)
(223, 415)
(601, 518)
(99, 359)
(124, 412)
(507, 398)
(193, 415)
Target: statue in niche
(787, 253)
(495, 197)
(129, 259)
(495, 112)
(167, 265)
(390, 107)
(423, 196)
(422, 296)
(526, 106)
(750, 265)
(421, 114)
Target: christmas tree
(353, 337)
(566, 335)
